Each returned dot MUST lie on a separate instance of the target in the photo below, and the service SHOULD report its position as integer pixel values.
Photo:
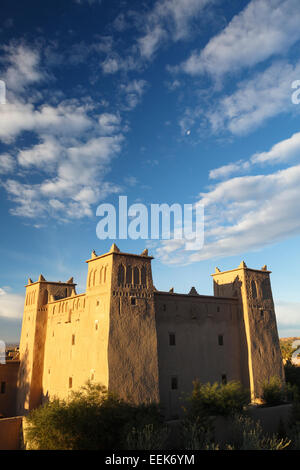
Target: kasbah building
(141, 343)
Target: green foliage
(294, 435)
(198, 434)
(292, 375)
(247, 434)
(286, 349)
(94, 419)
(216, 399)
(274, 391)
(91, 419)
(147, 437)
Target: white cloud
(244, 214)
(264, 28)
(226, 170)
(150, 42)
(77, 184)
(73, 150)
(131, 180)
(265, 95)
(66, 119)
(287, 315)
(283, 151)
(40, 155)
(109, 123)
(115, 63)
(11, 305)
(169, 20)
(133, 92)
(23, 67)
(7, 163)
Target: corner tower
(132, 346)
(260, 348)
(33, 335)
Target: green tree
(287, 349)
(217, 399)
(248, 434)
(274, 391)
(91, 419)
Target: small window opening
(133, 300)
(172, 339)
(70, 382)
(220, 340)
(73, 340)
(174, 383)
(3, 387)
(224, 379)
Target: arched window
(104, 275)
(101, 275)
(121, 275)
(136, 276)
(128, 275)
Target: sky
(169, 101)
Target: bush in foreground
(91, 419)
(274, 391)
(217, 399)
(248, 434)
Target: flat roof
(242, 267)
(119, 253)
(197, 296)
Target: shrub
(91, 419)
(247, 434)
(287, 349)
(274, 392)
(217, 399)
(147, 437)
(292, 375)
(198, 434)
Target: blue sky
(169, 101)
